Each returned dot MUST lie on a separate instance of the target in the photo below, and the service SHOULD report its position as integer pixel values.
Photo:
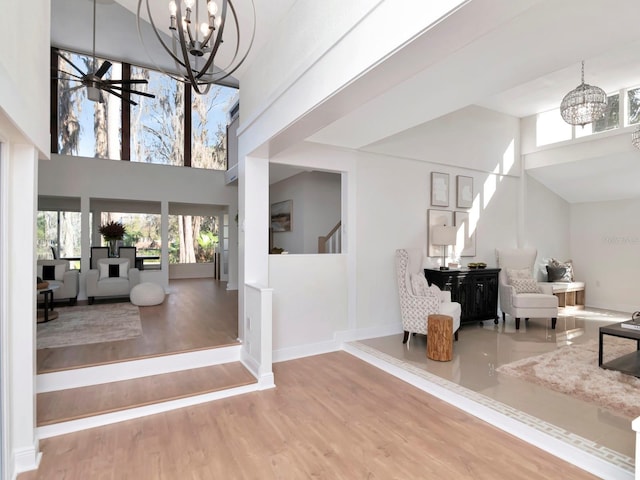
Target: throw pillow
(568, 265)
(558, 274)
(49, 272)
(419, 285)
(435, 291)
(114, 270)
(525, 285)
(513, 273)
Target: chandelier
(584, 104)
(196, 29)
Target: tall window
(58, 234)
(143, 231)
(192, 238)
(633, 99)
(157, 126)
(174, 128)
(208, 123)
(86, 128)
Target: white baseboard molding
(132, 413)
(371, 332)
(266, 381)
(145, 367)
(25, 459)
(232, 286)
(534, 436)
(291, 353)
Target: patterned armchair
(417, 299)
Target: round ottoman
(146, 294)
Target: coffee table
(629, 363)
(48, 313)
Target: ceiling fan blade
(137, 80)
(70, 74)
(106, 65)
(112, 92)
(71, 63)
(144, 94)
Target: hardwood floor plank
(65, 405)
(331, 416)
(196, 314)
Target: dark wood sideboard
(476, 290)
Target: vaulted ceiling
(523, 66)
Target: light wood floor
(196, 314)
(331, 416)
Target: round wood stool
(440, 338)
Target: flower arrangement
(112, 231)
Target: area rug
(574, 370)
(85, 324)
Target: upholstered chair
(521, 296)
(58, 272)
(114, 277)
(418, 300)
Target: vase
(113, 248)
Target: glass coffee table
(629, 363)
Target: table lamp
(443, 236)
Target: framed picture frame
(439, 189)
(464, 190)
(434, 218)
(281, 216)
(466, 246)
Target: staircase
(73, 400)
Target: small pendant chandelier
(584, 104)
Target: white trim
(527, 433)
(25, 459)
(249, 362)
(132, 413)
(114, 372)
(266, 381)
(300, 351)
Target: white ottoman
(146, 294)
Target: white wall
(24, 135)
(605, 249)
(316, 209)
(24, 71)
(390, 197)
(547, 226)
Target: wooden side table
(440, 338)
(47, 314)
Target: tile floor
(484, 347)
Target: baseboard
(291, 353)
(250, 363)
(114, 372)
(25, 459)
(300, 351)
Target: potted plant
(112, 232)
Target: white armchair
(416, 308)
(521, 296)
(114, 277)
(57, 272)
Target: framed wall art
(439, 189)
(466, 246)
(281, 216)
(464, 190)
(435, 218)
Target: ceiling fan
(95, 83)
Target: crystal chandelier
(584, 104)
(196, 29)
